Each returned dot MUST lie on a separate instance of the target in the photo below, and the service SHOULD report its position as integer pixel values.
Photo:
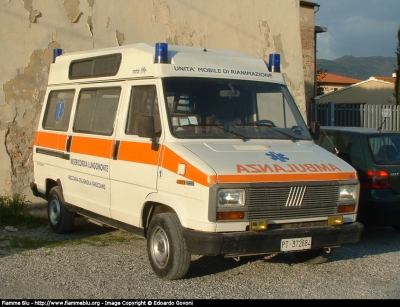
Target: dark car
(375, 154)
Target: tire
(61, 220)
(314, 256)
(166, 247)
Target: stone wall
(31, 29)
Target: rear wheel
(166, 247)
(314, 256)
(61, 220)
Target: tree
(397, 84)
(320, 75)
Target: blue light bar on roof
(274, 64)
(56, 53)
(161, 55)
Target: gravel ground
(369, 269)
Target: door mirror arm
(146, 129)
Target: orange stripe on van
(138, 152)
(286, 177)
(50, 140)
(92, 146)
(142, 153)
(171, 161)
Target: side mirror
(146, 129)
(314, 129)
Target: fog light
(259, 225)
(335, 220)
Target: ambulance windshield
(216, 108)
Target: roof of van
(148, 49)
(137, 61)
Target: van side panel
(134, 166)
(88, 180)
(133, 177)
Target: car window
(326, 141)
(343, 145)
(385, 148)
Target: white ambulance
(201, 151)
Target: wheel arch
(158, 203)
(51, 183)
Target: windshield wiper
(244, 138)
(270, 125)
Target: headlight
(230, 197)
(348, 192)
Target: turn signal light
(231, 215)
(346, 208)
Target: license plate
(295, 244)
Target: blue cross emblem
(59, 110)
(277, 156)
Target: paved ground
(369, 269)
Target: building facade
(373, 91)
(330, 82)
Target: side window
(384, 149)
(58, 110)
(96, 110)
(143, 101)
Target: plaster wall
(31, 29)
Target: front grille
(279, 203)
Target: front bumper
(268, 241)
(35, 191)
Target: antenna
(385, 114)
(380, 127)
(336, 150)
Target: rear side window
(385, 149)
(101, 66)
(96, 110)
(58, 110)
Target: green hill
(359, 68)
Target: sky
(359, 28)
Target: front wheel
(61, 220)
(314, 256)
(166, 247)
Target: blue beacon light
(274, 64)
(161, 53)
(56, 53)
